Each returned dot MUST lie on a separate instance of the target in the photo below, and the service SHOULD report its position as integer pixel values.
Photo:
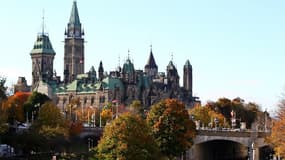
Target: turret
(92, 74)
(128, 72)
(151, 68)
(172, 76)
(101, 71)
(187, 77)
(42, 56)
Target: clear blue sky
(236, 47)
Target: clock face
(71, 33)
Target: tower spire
(74, 46)
(74, 16)
(128, 54)
(119, 60)
(151, 68)
(43, 23)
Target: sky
(236, 47)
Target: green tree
(2, 89)
(51, 126)
(3, 110)
(33, 104)
(137, 108)
(127, 138)
(171, 127)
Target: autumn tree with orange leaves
(171, 127)
(207, 116)
(277, 137)
(14, 105)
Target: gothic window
(85, 100)
(92, 100)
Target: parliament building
(95, 87)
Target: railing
(231, 132)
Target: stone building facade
(122, 85)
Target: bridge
(214, 144)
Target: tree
(137, 108)
(71, 109)
(106, 116)
(51, 126)
(277, 137)
(2, 89)
(245, 112)
(3, 120)
(14, 105)
(207, 116)
(3, 110)
(171, 127)
(33, 104)
(126, 138)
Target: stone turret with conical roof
(128, 71)
(73, 46)
(92, 74)
(151, 68)
(42, 56)
(172, 76)
(101, 71)
(187, 77)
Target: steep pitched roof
(171, 66)
(74, 16)
(128, 67)
(187, 64)
(151, 62)
(42, 45)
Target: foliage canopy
(126, 138)
(171, 126)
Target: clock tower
(73, 46)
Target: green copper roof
(80, 86)
(81, 76)
(128, 67)
(43, 45)
(144, 81)
(112, 83)
(74, 16)
(92, 70)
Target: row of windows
(101, 99)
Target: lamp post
(216, 120)
(101, 101)
(89, 139)
(90, 143)
(94, 117)
(253, 150)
